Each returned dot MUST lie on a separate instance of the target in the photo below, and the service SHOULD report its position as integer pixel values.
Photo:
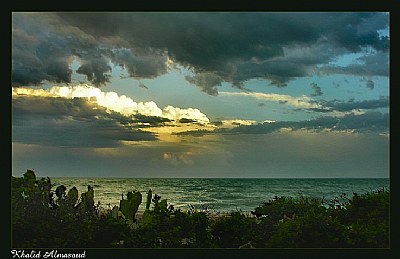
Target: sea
(220, 195)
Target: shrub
(43, 218)
(40, 220)
(234, 230)
(166, 227)
(366, 217)
(312, 230)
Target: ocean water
(220, 195)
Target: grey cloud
(141, 85)
(95, 68)
(42, 49)
(296, 60)
(35, 60)
(317, 90)
(150, 120)
(185, 120)
(67, 132)
(370, 122)
(371, 65)
(279, 72)
(375, 122)
(341, 106)
(217, 47)
(370, 84)
(141, 65)
(56, 106)
(359, 30)
(208, 82)
(376, 64)
(70, 123)
(79, 109)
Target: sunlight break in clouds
(178, 158)
(114, 102)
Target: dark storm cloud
(278, 71)
(140, 65)
(217, 47)
(43, 48)
(70, 123)
(57, 106)
(35, 59)
(96, 69)
(70, 132)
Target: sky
(201, 94)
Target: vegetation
(43, 218)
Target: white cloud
(174, 113)
(300, 102)
(118, 103)
(178, 158)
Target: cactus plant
(87, 200)
(130, 206)
(148, 201)
(72, 197)
(60, 191)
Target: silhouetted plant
(366, 217)
(234, 230)
(44, 218)
(287, 207)
(40, 220)
(148, 201)
(311, 230)
(130, 206)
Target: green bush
(234, 230)
(312, 230)
(281, 207)
(367, 220)
(165, 227)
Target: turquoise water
(221, 195)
